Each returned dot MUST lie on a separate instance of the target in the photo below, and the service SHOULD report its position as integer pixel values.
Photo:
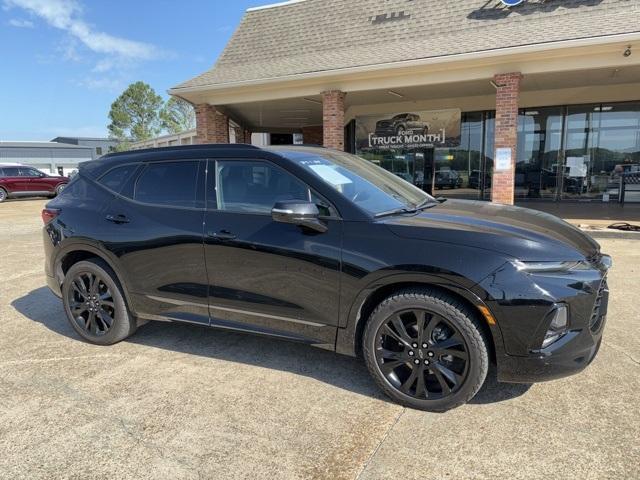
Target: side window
(115, 178)
(255, 186)
(11, 171)
(31, 172)
(168, 183)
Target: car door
(15, 181)
(266, 276)
(154, 227)
(37, 180)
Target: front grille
(596, 318)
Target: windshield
(372, 188)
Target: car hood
(514, 231)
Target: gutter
(443, 59)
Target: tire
(3, 195)
(60, 188)
(88, 309)
(455, 357)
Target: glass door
(539, 162)
(602, 141)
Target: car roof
(95, 168)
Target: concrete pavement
(184, 402)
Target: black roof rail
(199, 146)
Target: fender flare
(86, 245)
(347, 338)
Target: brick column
(212, 126)
(333, 119)
(312, 135)
(506, 134)
(247, 136)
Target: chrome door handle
(118, 219)
(222, 235)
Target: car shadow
(342, 371)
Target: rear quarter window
(117, 177)
(168, 183)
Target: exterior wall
(101, 146)
(312, 135)
(212, 126)
(183, 138)
(506, 134)
(333, 119)
(45, 157)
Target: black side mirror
(298, 212)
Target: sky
(63, 62)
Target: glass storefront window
(602, 141)
(564, 152)
(458, 170)
(538, 160)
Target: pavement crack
(382, 440)
(621, 350)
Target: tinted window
(11, 171)
(168, 183)
(116, 178)
(255, 186)
(30, 172)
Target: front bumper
(522, 318)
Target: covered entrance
(551, 118)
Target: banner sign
(408, 130)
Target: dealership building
(496, 100)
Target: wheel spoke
(455, 353)
(421, 389)
(79, 287)
(390, 354)
(421, 321)
(452, 376)
(93, 284)
(446, 390)
(430, 324)
(387, 330)
(400, 328)
(105, 318)
(408, 383)
(452, 341)
(90, 322)
(388, 367)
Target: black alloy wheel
(422, 354)
(95, 304)
(91, 303)
(426, 349)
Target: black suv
(323, 247)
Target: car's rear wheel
(3, 195)
(426, 349)
(95, 304)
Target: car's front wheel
(426, 349)
(60, 188)
(95, 304)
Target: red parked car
(24, 181)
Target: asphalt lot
(180, 401)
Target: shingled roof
(306, 36)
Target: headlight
(543, 267)
(557, 327)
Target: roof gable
(319, 35)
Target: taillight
(49, 214)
